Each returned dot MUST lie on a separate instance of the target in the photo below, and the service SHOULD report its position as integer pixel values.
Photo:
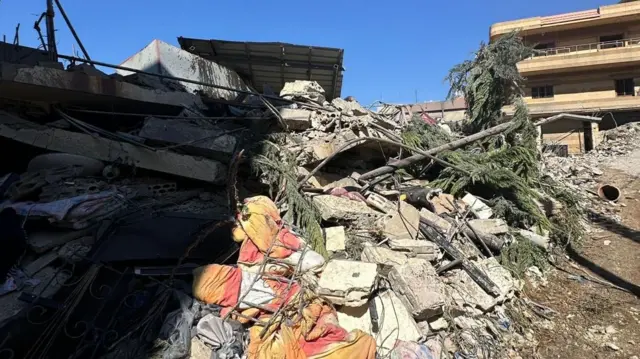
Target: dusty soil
(595, 320)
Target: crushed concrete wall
(161, 58)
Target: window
(611, 41)
(625, 87)
(542, 91)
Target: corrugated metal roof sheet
(274, 63)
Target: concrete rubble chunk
(441, 224)
(103, 149)
(41, 242)
(344, 182)
(507, 285)
(349, 108)
(335, 239)
(404, 224)
(478, 208)
(439, 324)
(347, 283)
(214, 142)
(415, 248)
(394, 321)
(301, 89)
(313, 181)
(339, 209)
(443, 203)
(296, 119)
(377, 201)
(384, 257)
(419, 288)
(541, 241)
(489, 226)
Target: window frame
(628, 87)
(544, 91)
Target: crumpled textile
(258, 225)
(224, 285)
(410, 350)
(220, 335)
(314, 334)
(77, 212)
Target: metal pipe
(36, 26)
(73, 31)
(51, 33)
(166, 77)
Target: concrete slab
(385, 258)
(489, 226)
(296, 119)
(347, 282)
(441, 224)
(478, 208)
(404, 224)
(335, 239)
(377, 201)
(415, 248)
(419, 288)
(394, 321)
(217, 145)
(14, 128)
(343, 210)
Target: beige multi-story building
(588, 63)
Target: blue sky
(393, 49)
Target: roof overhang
(568, 116)
(274, 63)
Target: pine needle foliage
(278, 167)
(491, 80)
(522, 254)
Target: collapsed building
(222, 200)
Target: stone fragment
(335, 239)
(302, 89)
(419, 288)
(541, 241)
(347, 282)
(349, 108)
(344, 210)
(377, 201)
(296, 119)
(384, 257)
(41, 242)
(313, 180)
(443, 203)
(415, 248)
(439, 324)
(404, 224)
(441, 224)
(344, 182)
(467, 323)
(478, 208)
(394, 321)
(489, 226)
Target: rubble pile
(165, 222)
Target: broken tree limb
(474, 272)
(351, 143)
(488, 241)
(421, 155)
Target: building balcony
(582, 57)
(540, 108)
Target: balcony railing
(597, 46)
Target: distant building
(569, 134)
(588, 63)
(438, 111)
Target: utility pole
(51, 33)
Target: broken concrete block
(541, 241)
(439, 324)
(384, 257)
(443, 203)
(403, 224)
(439, 223)
(335, 239)
(377, 201)
(468, 323)
(339, 209)
(489, 226)
(344, 182)
(310, 90)
(478, 208)
(313, 181)
(104, 149)
(210, 143)
(465, 292)
(394, 321)
(415, 248)
(419, 288)
(347, 282)
(499, 275)
(296, 119)
(349, 108)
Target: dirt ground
(594, 320)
